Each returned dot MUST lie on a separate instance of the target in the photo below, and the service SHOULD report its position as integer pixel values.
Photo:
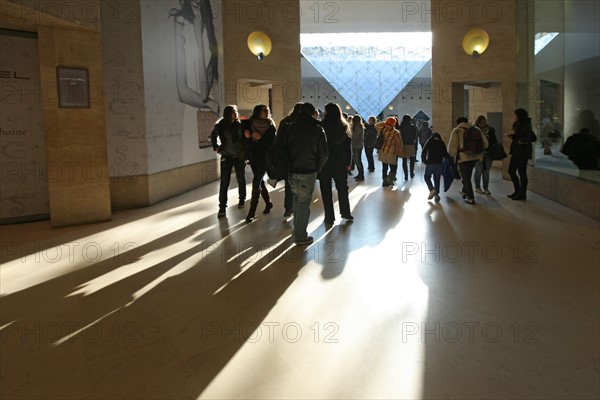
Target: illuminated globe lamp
(475, 42)
(259, 44)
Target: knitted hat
(391, 121)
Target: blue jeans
(434, 170)
(302, 186)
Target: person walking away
(466, 145)
(391, 149)
(306, 146)
(432, 155)
(291, 118)
(339, 142)
(370, 136)
(424, 134)
(358, 141)
(409, 138)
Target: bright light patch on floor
(359, 334)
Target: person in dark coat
(521, 150)
(305, 145)
(409, 139)
(260, 133)
(370, 136)
(583, 149)
(338, 164)
(283, 125)
(433, 154)
(232, 147)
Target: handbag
(379, 140)
(497, 152)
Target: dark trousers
(518, 165)
(405, 166)
(466, 172)
(370, 160)
(384, 169)
(259, 189)
(227, 164)
(341, 184)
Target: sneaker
(359, 178)
(221, 214)
(462, 194)
(478, 190)
(308, 240)
(469, 201)
(287, 213)
(485, 191)
(437, 198)
(348, 217)
(241, 203)
(432, 194)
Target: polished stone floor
(412, 300)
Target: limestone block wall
(281, 22)
(75, 137)
(452, 68)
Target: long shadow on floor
(154, 322)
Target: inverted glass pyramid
(368, 69)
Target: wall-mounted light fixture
(390, 107)
(475, 42)
(347, 106)
(259, 44)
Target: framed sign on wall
(73, 87)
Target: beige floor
(414, 300)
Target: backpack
(277, 162)
(472, 141)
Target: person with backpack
(521, 150)
(339, 143)
(232, 147)
(466, 145)
(433, 155)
